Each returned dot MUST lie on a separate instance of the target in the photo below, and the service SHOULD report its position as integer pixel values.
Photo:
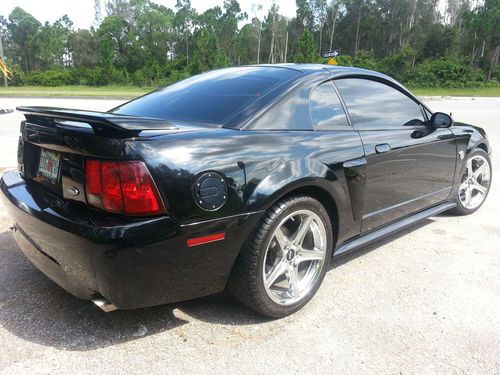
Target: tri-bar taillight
(122, 187)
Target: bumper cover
(132, 263)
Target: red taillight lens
(93, 182)
(112, 199)
(139, 191)
(124, 187)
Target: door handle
(382, 148)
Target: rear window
(213, 97)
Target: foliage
(444, 72)
(307, 48)
(143, 43)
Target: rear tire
(285, 258)
(475, 183)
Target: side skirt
(377, 234)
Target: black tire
(460, 209)
(247, 282)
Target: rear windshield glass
(213, 97)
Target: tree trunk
(273, 29)
(271, 50)
(3, 60)
(187, 49)
(474, 51)
(320, 38)
(356, 46)
(334, 22)
(26, 60)
(258, 45)
(493, 62)
(286, 44)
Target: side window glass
(374, 105)
(325, 107)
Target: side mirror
(441, 120)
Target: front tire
(285, 258)
(475, 183)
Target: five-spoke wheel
(294, 257)
(284, 260)
(475, 183)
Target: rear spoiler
(100, 122)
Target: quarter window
(374, 105)
(325, 107)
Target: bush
(88, 77)
(445, 72)
(399, 64)
(49, 78)
(344, 60)
(366, 60)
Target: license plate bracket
(49, 165)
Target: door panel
(410, 165)
(415, 173)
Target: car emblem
(461, 155)
(72, 190)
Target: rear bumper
(131, 263)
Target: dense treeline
(140, 42)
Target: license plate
(49, 164)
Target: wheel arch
(323, 197)
(310, 177)
(483, 146)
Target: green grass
(132, 91)
(478, 91)
(64, 91)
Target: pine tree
(307, 49)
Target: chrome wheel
(294, 257)
(475, 182)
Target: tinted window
(325, 107)
(213, 97)
(375, 105)
(289, 113)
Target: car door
(410, 165)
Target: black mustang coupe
(247, 179)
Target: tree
(83, 46)
(208, 54)
(112, 42)
(24, 28)
(183, 23)
(307, 49)
(52, 40)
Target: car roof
(334, 70)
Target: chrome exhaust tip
(104, 304)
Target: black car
(244, 179)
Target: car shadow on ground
(35, 309)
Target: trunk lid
(54, 143)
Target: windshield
(214, 97)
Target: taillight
(123, 187)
